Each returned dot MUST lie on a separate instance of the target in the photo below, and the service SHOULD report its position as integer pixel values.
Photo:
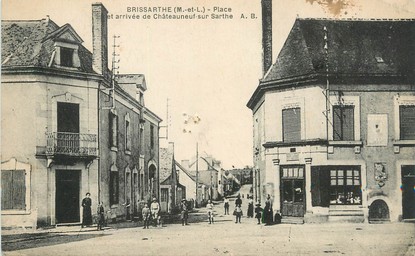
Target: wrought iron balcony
(71, 144)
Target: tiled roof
(166, 163)
(355, 47)
(31, 43)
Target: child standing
(238, 213)
(258, 211)
(146, 216)
(101, 216)
(209, 207)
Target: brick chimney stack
(100, 39)
(266, 35)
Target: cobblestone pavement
(224, 237)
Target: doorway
(292, 191)
(408, 191)
(67, 196)
(164, 202)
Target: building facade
(333, 122)
(57, 101)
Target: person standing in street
(268, 212)
(155, 210)
(250, 212)
(86, 212)
(238, 214)
(258, 211)
(226, 205)
(209, 208)
(101, 216)
(238, 200)
(184, 212)
(146, 216)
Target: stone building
(56, 102)
(333, 121)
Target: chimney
(266, 35)
(99, 38)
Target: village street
(224, 237)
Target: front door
(292, 191)
(408, 192)
(164, 202)
(67, 196)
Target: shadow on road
(22, 241)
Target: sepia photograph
(207, 127)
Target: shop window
(291, 124)
(345, 186)
(343, 123)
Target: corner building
(334, 121)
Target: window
(345, 186)
(66, 57)
(13, 190)
(152, 137)
(291, 124)
(343, 123)
(114, 186)
(113, 129)
(407, 122)
(127, 136)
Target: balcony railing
(71, 144)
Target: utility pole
(197, 171)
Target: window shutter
(291, 124)
(6, 190)
(19, 190)
(110, 128)
(407, 122)
(343, 123)
(315, 186)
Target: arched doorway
(378, 212)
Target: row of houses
(334, 119)
(70, 125)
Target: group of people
(151, 214)
(264, 215)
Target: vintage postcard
(220, 127)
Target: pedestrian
(155, 210)
(86, 212)
(258, 211)
(184, 212)
(250, 212)
(209, 208)
(238, 201)
(238, 214)
(278, 217)
(101, 216)
(146, 216)
(267, 216)
(226, 205)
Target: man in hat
(155, 209)
(184, 212)
(258, 211)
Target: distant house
(333, 121)
(171, 191)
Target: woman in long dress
(250, 212)
(86, 213)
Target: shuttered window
(407, 122)
(114, 187)
(113, 129)
(320, 186)
(343, 123)
(13, 190)
(291, 124)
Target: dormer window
(66, 57)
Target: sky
(205, 68)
